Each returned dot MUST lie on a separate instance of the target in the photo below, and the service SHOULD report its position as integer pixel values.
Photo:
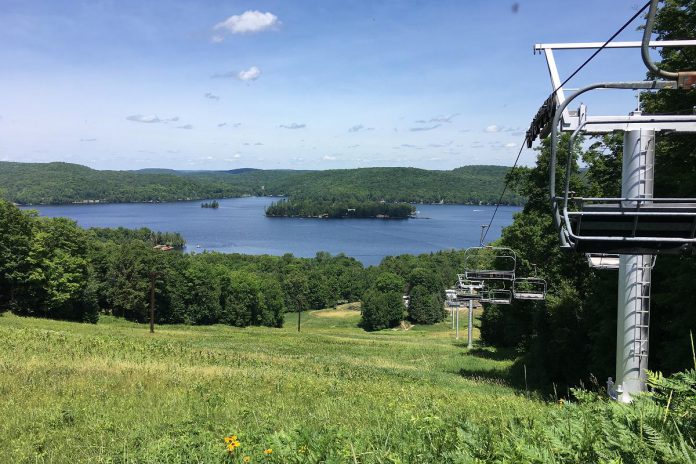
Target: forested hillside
(56, 183)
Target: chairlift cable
(573, 74)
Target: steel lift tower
(625, 233)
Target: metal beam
(605, 124)
(595, 45)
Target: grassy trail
(112, 392)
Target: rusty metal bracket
(686, 80)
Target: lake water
(240, 226)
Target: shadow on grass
(496, 376)
(516, 373)
(494, 355)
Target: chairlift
(451, 297)
(489, 263)
(497, 296)
(637, 223)
(630, 225)
(603, 260)
(529, 288)
(468, 289)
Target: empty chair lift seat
(529, 288)
(614, 225)
(498, 296)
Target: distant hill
(60, 183)
(241, 170)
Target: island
(212, 204)
(339, 209)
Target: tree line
(355, 208)
(61, 183)
(50, 267)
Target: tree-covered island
(337, 209)
(211, 204)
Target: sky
(310, 84)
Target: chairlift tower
(625, 233)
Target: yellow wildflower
(267, 451)
(246, 459)
(231, 438)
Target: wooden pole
(153, 276)
(299, 312)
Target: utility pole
(457, 331)
(633, 310)
(470, 336)
(153, 278)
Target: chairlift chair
(529, 288)
(468, 289)
(489, 263)
(497, 296)
(630, 225)
(603, 260)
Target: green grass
(112, 392)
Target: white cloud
(426, 128)
(360, 127)
(222, 124)
(293, 125)
(211, 96)
(328, 158)
(88, 140)
(151, 119)
(510, 145)
(492, 129)
(444, 118)
(237, 156)
(185, 126)
(440, 145)
(145, 119)
(250, 74)
(248, 22)
(438, 119)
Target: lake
(240, 226)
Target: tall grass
(111, 392)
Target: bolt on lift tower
(625, 233)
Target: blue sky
(312, 84)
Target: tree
(425, 307)
(381, 310)
(60, 281)
(15, 242)
(127, 280)
(388, 282)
